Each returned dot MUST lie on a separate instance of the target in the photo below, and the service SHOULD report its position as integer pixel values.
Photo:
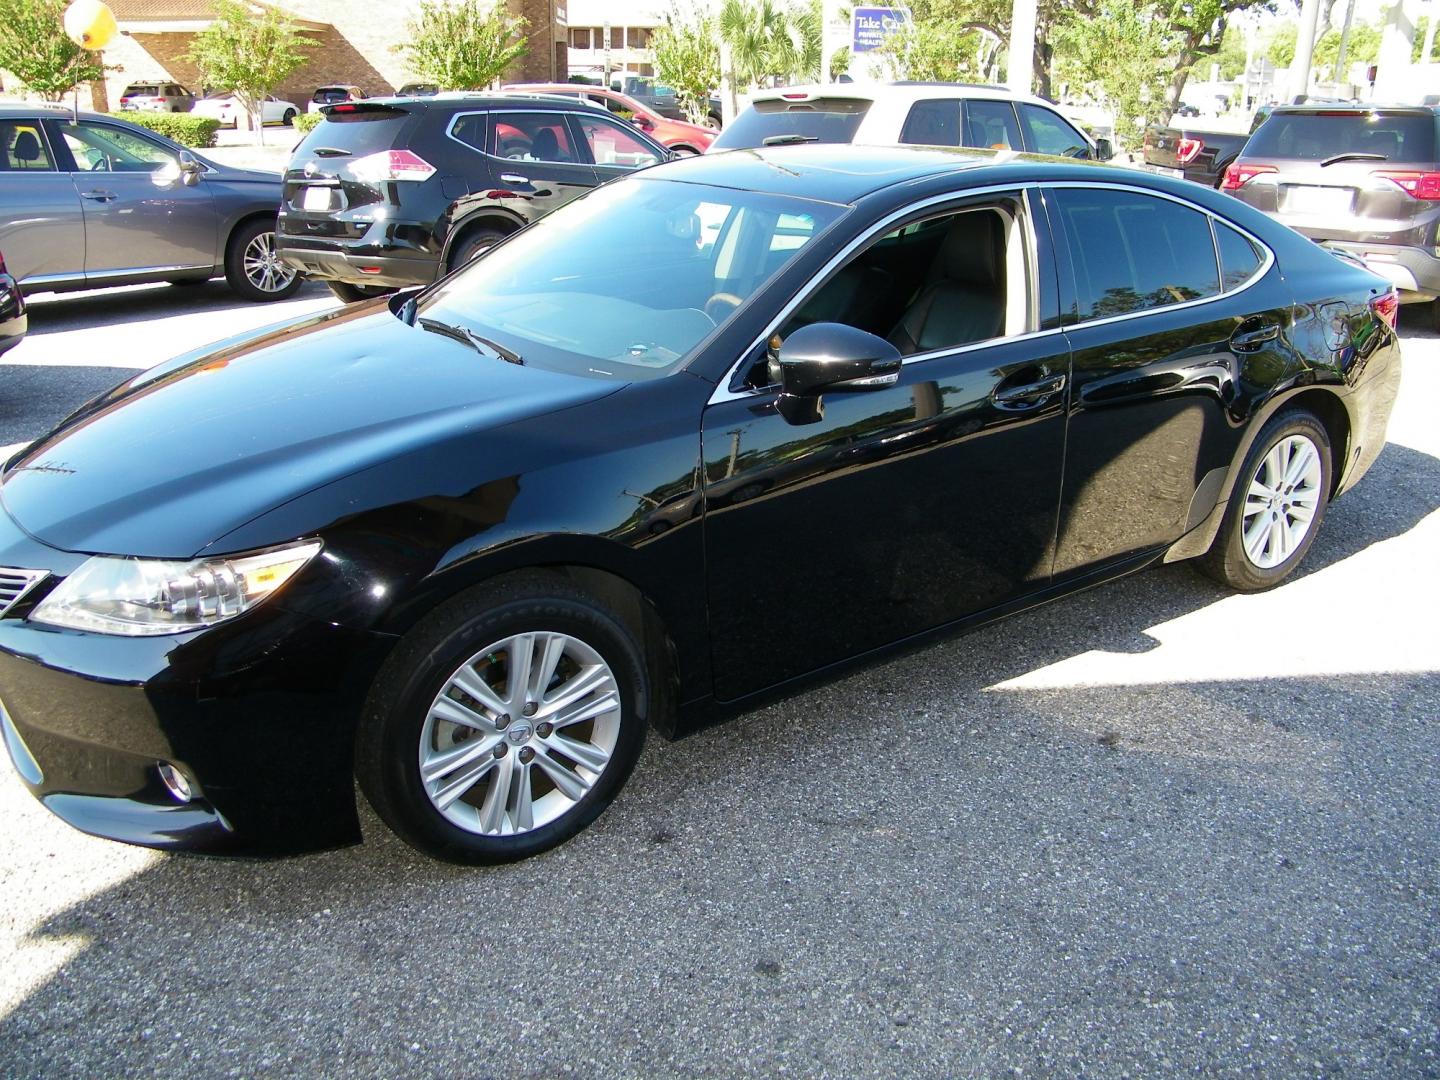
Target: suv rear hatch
(346, 166)
(1346, 174)
(795, 116)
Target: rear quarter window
(1239, 258)
(832, 120)
(1406, 137)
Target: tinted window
(1048, 134)
(832, 120)
(932, 123)
(991, 124)
(103, 148)
(22, 148)
(1133, 252)
(1239, 258)
(611, 144)
(531, 137)
(364, 131)
(1316, 136)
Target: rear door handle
(1251, 340)
(1020, 397)
(99, 196)
(513, 178)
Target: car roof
(36, 108)
(483, 98)
(1359, 108)
(904, 92)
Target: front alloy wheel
(253, 267)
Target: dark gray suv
(88, 201)
(1364, 179)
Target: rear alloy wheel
(353, 294)
(473, 246)
(253, 267)
(1277, 506)
(504, 724)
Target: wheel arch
(239, 222)
(473, 222)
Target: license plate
(1318, 200)
(316, 198)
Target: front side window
(624, 282)
(102, 148)
(611, 144)
(22, 147)
(531, 137)
(1134, 252)
(932, 123)
(1049, 134)
(991, 125)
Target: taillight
(1237, 176)
(1421, 185)
(1186, 150)
(392, 165)
(1386, 307)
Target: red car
(676, 135)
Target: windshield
(826, 120)
(625, 282)
(1406, 137)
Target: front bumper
(258, 714)
(1412, 270)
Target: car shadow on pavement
(905, 872)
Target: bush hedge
(306, 122)
(184, 128)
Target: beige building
(617, 31)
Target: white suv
(929, 114)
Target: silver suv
(1364, 179)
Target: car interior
(23, 150)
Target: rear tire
(354, 294)
(289, 118)
(472, 246)
(472, 758)
(1277, 506)
(252, 265)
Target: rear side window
(991, 125)
(1392, 136)
(542, 136)
(1049, 134)
(1239, 258)
(1134, 252)
(22, 148)
(356, 131)
(932, 123)
(826, 120)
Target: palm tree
(756, 44)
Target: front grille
(14, 584)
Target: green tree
(248, 54)
(1361, 47)
(946, 51)
(1123, 56)
(35, 49)
(1280, 44)
(763, 43)
(465, 45)
(687, 57)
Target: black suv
(391, 192)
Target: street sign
(873, 26)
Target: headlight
(138, 597)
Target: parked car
(156, 97)
(414, 89)
(13, 320)
(1200, 156)
(226, 108)
(662, 99)
(92, 201)
(334, 95)
(927, 114)
(678, 136)
(1360, 178)
(467, 544)
(389, 193)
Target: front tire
(252, 264)
(504, 723)
(289, 118)
(1276, 508)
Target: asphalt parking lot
(1151, 830)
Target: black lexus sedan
(705, 433)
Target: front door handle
(1022, 397)
(1251, 340)
(513, 178)
(99, 196)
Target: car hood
(187, 452)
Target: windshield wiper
(786, 140)
(1355, 156)
(480, 344)
(329, 151)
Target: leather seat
(26, 150)
(546, 146)
(963, 300)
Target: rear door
(991, 125)
(42, 228)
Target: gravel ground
(1153, 829)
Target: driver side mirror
(829, 357)
(190, 169)
(1104, 150)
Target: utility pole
(1344, 41)
(1020, 71)
(1304, 48)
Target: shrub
(187, 130)
(307, 122)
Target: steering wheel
(714, 307)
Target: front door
(42, 228)
(535, 156)
(902, 508)
(139, 217)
